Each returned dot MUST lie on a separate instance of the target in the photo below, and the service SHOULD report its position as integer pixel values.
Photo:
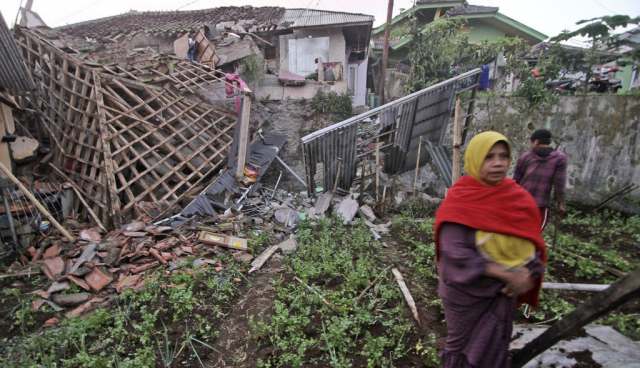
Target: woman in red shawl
(490, 256)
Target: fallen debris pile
(91, 272)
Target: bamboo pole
(457, 142)
(38, 205)
(576, 287)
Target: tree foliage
(442, 50)
(604, 43)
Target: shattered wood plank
(258, 262)
(407, 294)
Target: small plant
(252, 68)
(266, 100)
(338, 106)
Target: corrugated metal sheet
(261, 156)
(300, 18)
(442, 159)
(12, 72)
(421, 114)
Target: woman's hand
(518, 282)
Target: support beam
(457, 142)
(244, 133)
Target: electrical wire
(79, 11)
(596, 1)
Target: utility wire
(79, 11)
(597, 2)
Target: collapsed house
(303, 51)
(121, 127)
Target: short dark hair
(543, 136)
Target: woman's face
(495, 165)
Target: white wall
(335, 52)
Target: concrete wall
(599, 134)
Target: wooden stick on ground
(21, 274)
(607, 268)
(318, 294)
(258, 262)
(370, 286)
(407, 294)
(38, 205)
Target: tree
(603, 41)
(441, 50)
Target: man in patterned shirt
(540, 170)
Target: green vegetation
(338, 263)
(338, 106)
(135, 332)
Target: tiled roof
(465, 9)
(300, 18)
(174, 22)
(12, 72)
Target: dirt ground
(236, 345)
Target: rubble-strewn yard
(302, 308)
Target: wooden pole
(244, 133)
(320, 69)
(377, 167)
(457, 142)
(38, 205)
(415, 178)
(385, 51)
(602, 303)
(335, 182)
(362, 174)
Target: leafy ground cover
(301, 310)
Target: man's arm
(518, 173)
(559, 182)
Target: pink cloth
(231, 78)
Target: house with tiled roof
(483, 22)
(289, 40)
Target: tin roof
(12, 72)
(301, 18)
